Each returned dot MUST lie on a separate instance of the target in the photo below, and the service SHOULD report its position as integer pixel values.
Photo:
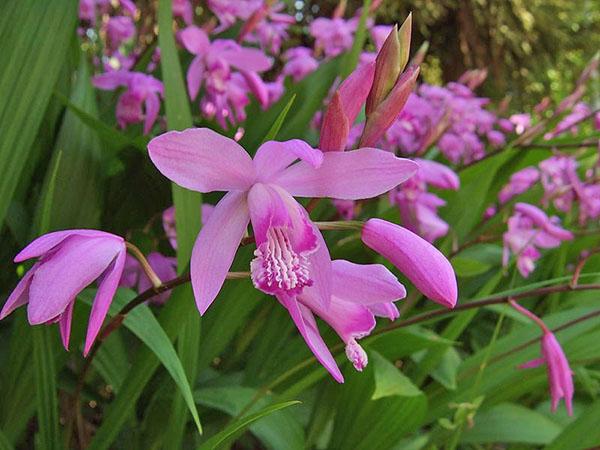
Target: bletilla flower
(119, 29)
(333, 36)
(559, 178)
(521, 122)
(519, 182)
(141, 91)
(226, 92)
(68, 261)
(528, 229)
(134, 277)
(580, 112)
(423, 264)
(291, 254)
(184, 10)
(418, 208)
(560, 375)
(228, 12)
(358, 294)
(267, 26)
(299, 63)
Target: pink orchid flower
(423, 264)
(184, 10)
(68, 261)
(333, 36)
(119, 29)
(418, 208)
(291, 254)
(228, 12)
(134, 277)
(519, 182)
(299, 63)
(528, 229)
(559, 179)
(141, 89)
(213, 62)
(358, 294)
(560, 375)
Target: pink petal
(257, 87)
(194, 76)
(64, 325)
(20, 295)
(388, 310)
(267, 209)
(216, 246)
(202, 160)
(48, 241)
(321, 270)
(438, 175)
(274, 156)
(152, 108)
(354, 175)
(421, 262)
(194, 39)
(103, 299)
(60, 277)
(365, 284)
(335, 127)
(305, 322)
(244, 58)
(355, 89)
(387, 111)
(109, 81)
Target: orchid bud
(390, 62)
(421, 262)
(344, 108)
(387, 112)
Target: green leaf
(233, 430)
(31, 34)
(187, 213)
(510, 423)
(389, 381)
(272, 133)
(469, 267)
(232, 400)
(112, 137)
(45, 388)
(582, 433)
(4, 442)
(447, 370)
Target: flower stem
(149, 271)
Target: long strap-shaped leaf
(187, 216)
(34, 36)
(233, 430)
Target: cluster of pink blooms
(292, 261)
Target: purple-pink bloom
(423, 264)
(333, 36)
(184, 10)
(418, 207)
(226, 92)
(528, 229)
(141, 90)
(68, 261)
(559, 177)
(521, 122)
(134, 277)
(580, 112)
(358, 294)
(291, 254)
(519, 182)
(299, 63)
(560, 376)
(119, 29)
(228, 12)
